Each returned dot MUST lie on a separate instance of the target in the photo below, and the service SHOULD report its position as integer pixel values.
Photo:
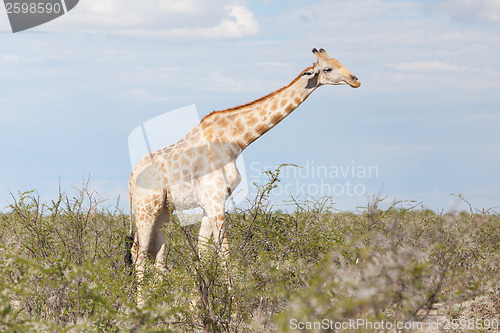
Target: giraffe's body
(200, 169)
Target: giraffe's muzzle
(354, 81)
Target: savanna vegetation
(62, 269)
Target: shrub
(62, 270)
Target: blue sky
(426, 116)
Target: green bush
(62, 268)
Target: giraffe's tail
(129, 239)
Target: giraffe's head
(329, 71)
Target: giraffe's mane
(259, 99)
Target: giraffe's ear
(313, 82)
(311, 74)
(308, 73)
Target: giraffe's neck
(244, 124)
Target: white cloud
(9, 58)
(470, 10)
(240, 24)
(164, 18)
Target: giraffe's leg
(148, 218)
(143, 241)
(204, 235)
(219, 232)
(208, 228)
(217, 228)
(215, 225)
(158, 243)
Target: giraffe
(200, 170)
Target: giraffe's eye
(327, 69)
